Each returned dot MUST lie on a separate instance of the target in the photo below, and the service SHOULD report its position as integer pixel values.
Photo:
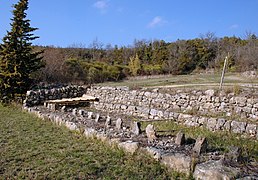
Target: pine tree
(17, 59)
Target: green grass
(31, 148)
(216, 140)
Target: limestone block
(180, 138)
(238, 127)
(129, 146)
(71, 125)
(119, 123)
(255, 105)
(202, 120)
(210, 92)
(253, 110)
(97, 118)
(239, 110)
(81, 112)
(58, 120)
(90, 132)
(166, 114)
(150, 131)
(177, 161)
(182, 102)
(154, 152)
(160, 114)
(166, 106)
(234, 154)
(200, 145)
(147, 94)
(189, 108)
(90, 115)
(154, 112)
(227, 126)
(191, 122)
(232, 100)
(123, 107)
(192, 103)
(144, 111)
(131, 109)
(117, 106)
(247, 109)
(51, 117)
(214, 170)
(184, 117)
(211, 124)
(220, 123)
(251, 129)
(241, 101)
(223, 105)
(176, 115)
(208, 106)
(176, 107)
(63, 109)
(74, 111)
(108, 122)
(135, 128)
(183, 96)
(29, 93)
(217, 100)
(171, 115)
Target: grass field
(34, 149)
(185, 81)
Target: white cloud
(156, 21)
(234, 26)
(101, 5)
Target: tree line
(98, 63)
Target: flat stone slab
(154, 152)
(214, 170)
(177, 161)
(73, 101)
(129, 146)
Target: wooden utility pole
(223, 72)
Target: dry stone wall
(154, 105)
(38, 97)
(150, 105)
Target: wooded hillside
(98, 63)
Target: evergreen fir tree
(17, 59)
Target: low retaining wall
(153, 105)
(38, 97)
(198, 101)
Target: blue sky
(119, 22)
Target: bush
(149, 69)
